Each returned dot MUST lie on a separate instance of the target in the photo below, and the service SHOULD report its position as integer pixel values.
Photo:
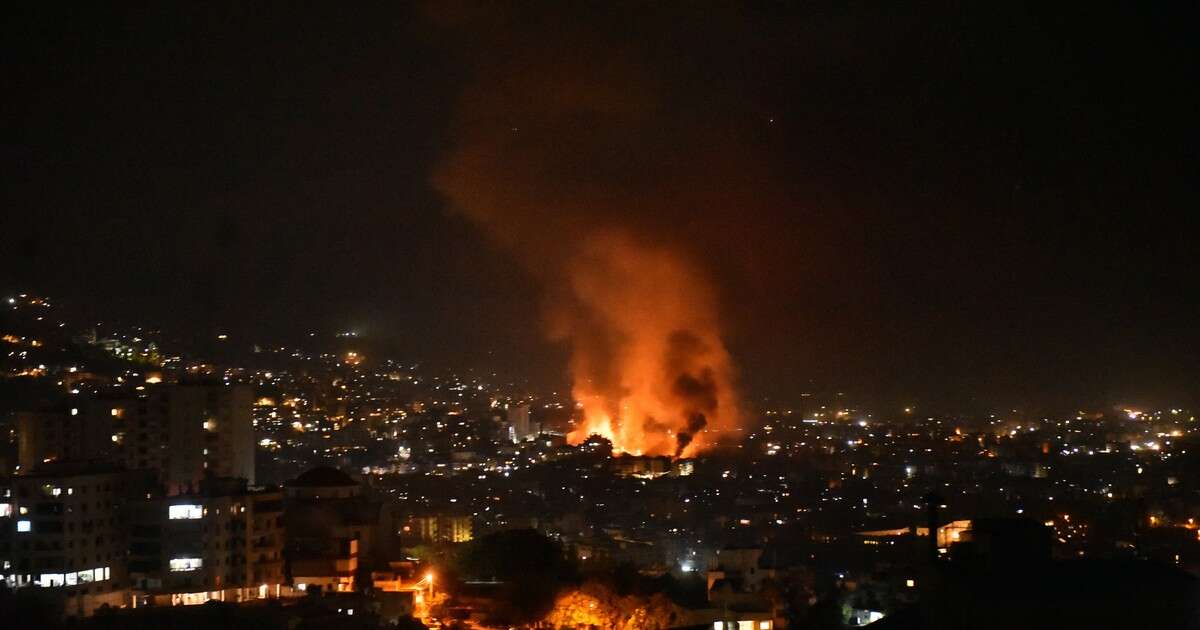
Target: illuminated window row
(186, 564)
(185, 512)
(73, 578)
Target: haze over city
(813, 277)
(967, 204)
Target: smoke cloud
(648, 364)
(590, 172)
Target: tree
(594, 605)
(532, 570)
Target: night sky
(966, 204)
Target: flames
(599, 188)
(648, 365)
(649, 369)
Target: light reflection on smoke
(648, 364)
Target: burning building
(580, 171)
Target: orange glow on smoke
(581, 172)
(649, 368)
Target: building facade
(69, 533)
(185, 431)
(64, 435)
(520, 425)
(332, 526)
(439, 528)
(224, 542)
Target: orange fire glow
(579, 172)
(649, 368)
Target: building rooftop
(322, 477)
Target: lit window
(764, 625)
(186, 564)
(52, 579)
(5, 510)
(24, 526)
(185, 512)
(910, 583)
(86, 576)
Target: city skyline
(144, 485)
(618, 315)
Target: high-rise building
(520, 426)
(61, 435)
(185, 431)
(69, 533)
(224, 541)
